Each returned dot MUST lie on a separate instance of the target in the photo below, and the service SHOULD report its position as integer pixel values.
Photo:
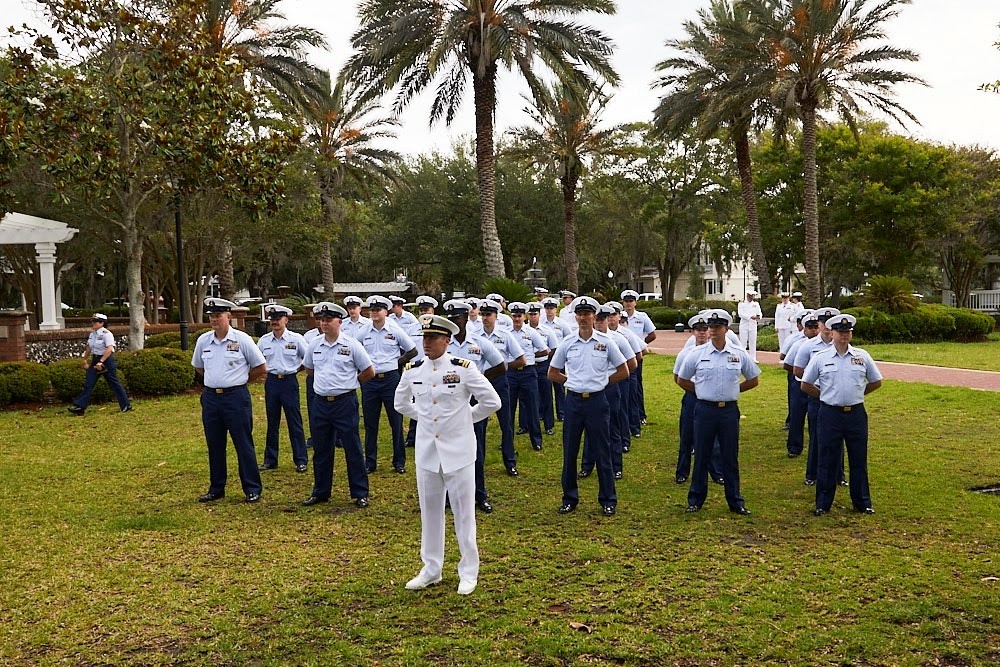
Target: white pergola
(21, 229)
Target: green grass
(106, 558)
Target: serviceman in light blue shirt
(284, 350)
(552, 320)
(507, 345)
(523, 381)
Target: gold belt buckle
(220, 391)
(848, 408)
(331, 398)
(380, 375)
(721, 404)
(585, 394)
(281, 376)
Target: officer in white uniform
(99, 361)
(338, 365)
(284, 351)
(712, 371)
(437, 393)
(840, 377)
(425, 306)
(783, 322)
(587, 362)
(227, 359)
(750, 314)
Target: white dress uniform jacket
(436, 393)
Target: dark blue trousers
(710, 423)
(506, 421)
(282, 394)
(686, 447)
(376, 394)
(110, 374)
(545, 412)
(838, 428)
(309, 406)
(635, 401)
(616, 421)
(591, 416)
(523, 385)
(337, 421)
(798, 405)
(559, 392)
(642, 392)
(230, 413)
(812, 458)
(625, 421)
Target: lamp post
(181, 276)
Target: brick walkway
(670, 342)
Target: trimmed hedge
(928, 323)
(157, 371)
(67, 378)
(22, 382)
(172, 339)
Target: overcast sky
(954, 38)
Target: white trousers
(748, 337)
(782, 335)
(460, 486)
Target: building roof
(18, 228)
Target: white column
(46, 257)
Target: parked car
(650, 296)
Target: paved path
(670, 342)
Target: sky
(954, 38)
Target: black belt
(718, 404)
(386, 374)
(226, 390)
(338, 396)
(282, 376)
(844, 408)
(585, 394)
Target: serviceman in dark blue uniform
(490, 362)
(798, 402)
(551, 336)
(99, 361)
(513, 356)
(840, 377)
(523, 381)
(584, 362)
(551, 320)
(283, 350)
(227, 359)
(339, 365)
(712, 371)
(698, 325)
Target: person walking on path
(99, 361)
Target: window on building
(713, 287)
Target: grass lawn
(984, 356)
(106, 558)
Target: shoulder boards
(413, 364)
(460, 362)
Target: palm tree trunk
(569, 232)
(485, 97)
(745, 168)
(326, 270)
(227, 280)
(330, 213)
(810, 207)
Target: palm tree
(828, 54)
(345, 129)
(408, 44)
(564, 135)
(721, 81)
(273, 55)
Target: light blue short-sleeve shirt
(716, 373)
(283, 355)
(336, 365)
(478, 350)
(386, 345)
(507, 344)
(587, 363)
(226, 362)
(531, 342)
(841, 378)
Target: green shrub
(511, 290)
(767, 340)
(172, 339)
(969, 324)
(890, 294)
(157, 371)
(925, 324)
(67, 378)
(666, 318)
(22, 382)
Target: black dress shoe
(210, 496)
(370, 469)
(550, 431)
(680, 479)
(642, 421)
(608, 510)
(512, 471)
(253, 497)
(76, 410)
(637, 434)
(785, 427)
(485, 506)
(692, 508)
(520, 431)
(302, 467)
(625, 449)
(719, 480)
(819, 512)
(740, 510)
(866, 510)
(792, 455)
(361, 502)
(314, 500)
(844, 482)
(537, 448)
(128, 408)
(810, 482)
(566, 508)
(618, 475)
(583, 474)
(267, 466)
(399, 469)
